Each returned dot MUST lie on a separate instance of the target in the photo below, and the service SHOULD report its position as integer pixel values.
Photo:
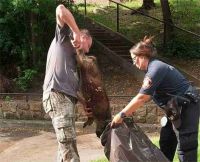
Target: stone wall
(149, 113)
(21, 109)
(32, 109)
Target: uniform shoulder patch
(147, 82)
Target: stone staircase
(111, 40)
(113, 44)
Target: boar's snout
(101, 125)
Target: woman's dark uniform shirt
(162, 79)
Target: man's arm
(64, 16)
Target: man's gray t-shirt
(61, 67)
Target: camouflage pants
(61, 109)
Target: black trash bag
(128, 143)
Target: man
(61, 82)
(172, 92)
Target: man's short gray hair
(85, 32)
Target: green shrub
(24, 80)
(27, 27)
(7, 98)
(179, 47)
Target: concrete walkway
(29, 144)
(35, 141)
(42, 148)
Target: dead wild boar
(93, 93)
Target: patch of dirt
(191, 66)
(116, 80)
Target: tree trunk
(168, 29)
(6, 85)
(148, 4)
(33, 39)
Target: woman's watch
(122, 115)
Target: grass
(128, 24)
(185, 14)
(155, 140)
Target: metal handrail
(162, 21)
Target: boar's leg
(101, 125)
(88, 122)
(82, 100)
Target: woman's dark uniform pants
(186, 135)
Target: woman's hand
(116, 120)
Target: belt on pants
(72, 99)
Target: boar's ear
(80, 52)
(93, 58)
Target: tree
(146, 5)
(27, 28)
(168, 29)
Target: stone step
(119, 47)
(112, 43)
(103, 40)
(126, 56)
(99, 35)
(121, 51)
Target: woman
(162, 83)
